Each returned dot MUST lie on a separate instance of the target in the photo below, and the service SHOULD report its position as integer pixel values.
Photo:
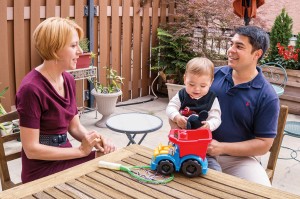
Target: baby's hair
(200, 66)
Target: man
(249, 106)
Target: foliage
(281, 32)
(171, 54)
(84, 44)
(2, 110)
(113, 82)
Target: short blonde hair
(200, 66)
(52, 35)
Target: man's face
(240, 55)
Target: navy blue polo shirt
(248, 110)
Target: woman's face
(70, 53)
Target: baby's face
(197, 85)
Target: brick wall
(272, 8)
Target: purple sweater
(41, 107)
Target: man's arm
(254, 147)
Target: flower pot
(106, 104)
(84, 60)
(173, 89)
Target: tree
(281, 32)
(215, 19)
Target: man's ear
(258, 53)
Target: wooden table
(88, 181)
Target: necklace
(59, 87)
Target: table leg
(131, 138)
(294, 154)
(142, 138)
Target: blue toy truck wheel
(191, 168)
(165, 167)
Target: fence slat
(154, 21)
(50, 8)
(5, 69)
(79, 20)
(64, 8)
(116, 37)
(171, 11)
(163, 12)
(104, 40)
(19, 42)
(126, 50)
(34, 22)
(136, 49)
(146, 51)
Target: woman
(47, 107)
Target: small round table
(134, 123)
(292, 128)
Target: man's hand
(215, 148)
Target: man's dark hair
(259, 39)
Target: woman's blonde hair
(53, 34)
(200, 66)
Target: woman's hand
(104, 145)
(88, 142)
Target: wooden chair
(274, 151)
(4, 157)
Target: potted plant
(106, 95)
(169, 59)
(84, 59)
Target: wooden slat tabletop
(89, 181)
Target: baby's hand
(205, 125)
(180, 121)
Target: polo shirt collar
(257, 82)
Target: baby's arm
(173, 114)
(214, 116)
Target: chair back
(274, 150)
(6, 182)
(275, 73)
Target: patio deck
(287, 172)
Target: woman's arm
(35, 150)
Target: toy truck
(186, 151)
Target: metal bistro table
(292, 128)
(134, 123)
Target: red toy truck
(186, 151)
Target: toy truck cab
(186, 151)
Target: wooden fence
(124, 32)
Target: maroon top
(41, 107)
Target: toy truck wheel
(191, 168)
(165, 167)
